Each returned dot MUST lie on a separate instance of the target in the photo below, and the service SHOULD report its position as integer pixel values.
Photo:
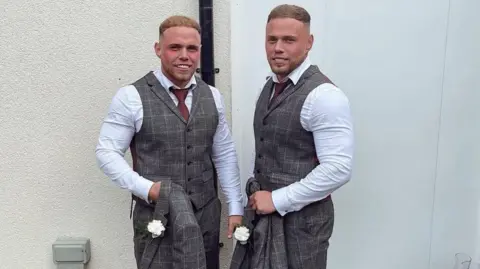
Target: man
(176, 128)
(304, 149)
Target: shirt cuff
(235, 208)
(142, 187)
(281, 202)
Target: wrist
(235, 209)
(280, 201)
(154, 191)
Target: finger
(250, 202)
(230, 230)
(251, 199)
(258, 210)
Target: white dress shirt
(124, 119)
(325, 113)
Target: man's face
(179, 51)
(287, 44)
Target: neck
(281, 78)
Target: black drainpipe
(207, 65)
(207, 69)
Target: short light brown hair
(290, 11)
(177, 21)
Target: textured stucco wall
(61, 62)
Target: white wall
(61, 63)
(409, 69)
(413, 201)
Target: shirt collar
(295, 75)
(167, 84)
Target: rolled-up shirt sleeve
(326, 113)
(224, 157)
(123, 119)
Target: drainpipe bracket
(216, 70)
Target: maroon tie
(181, 94)
(278, 89)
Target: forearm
(116, 168)
(226, 165)
(318, 184)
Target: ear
(310, 42)
(158, 49)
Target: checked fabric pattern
(181, 246)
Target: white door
(389, 58)
(456, 223)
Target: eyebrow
(282, 37)
(190, 46)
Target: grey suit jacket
(181, 246)
(266, 247)
(278, 242)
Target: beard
(283, 70)
(180, 78)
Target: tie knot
(280, 86)
(181, 94)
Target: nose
(183, 54)
(278, 46)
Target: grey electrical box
(71, 250)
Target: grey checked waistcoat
(169, 148)
(283, 146)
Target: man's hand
(261, 202)
(233, 221)
(154, 192)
